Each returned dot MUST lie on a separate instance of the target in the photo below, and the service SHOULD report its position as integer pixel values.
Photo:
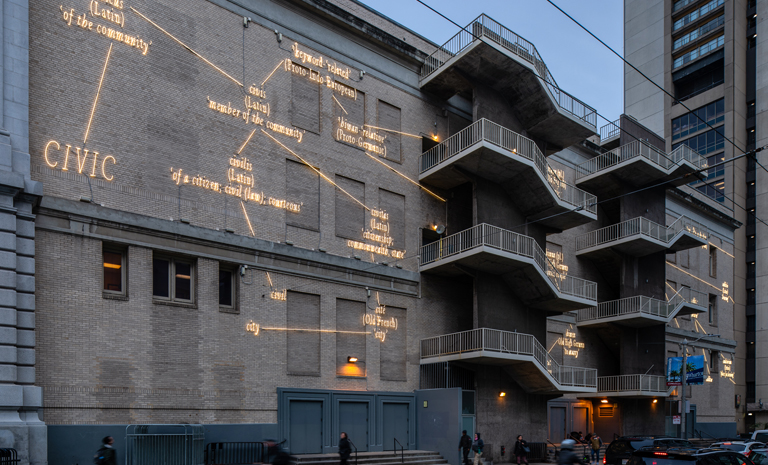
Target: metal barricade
(235, 453)
(8, 457)
(538, 452)
(164, 444)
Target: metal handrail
(484, 130)
(642, 383)
(641, 148)
(641, 226)
(484, 26)
(402, 450)
(609, 130)
(507, 342)
(511, 242)
(642, 304)
(353, 445)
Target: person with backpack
(477, 448)
(596, 443)
(521, 450)
(465, 443)
(106, 454)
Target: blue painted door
(353, 420)
(395, 425)
(306, 427)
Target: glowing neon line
(187, 47)
(553, 346)
(721, 250)
(337, 101)
(98, 92)
(246, 142)
(678, 324)
(315, 169)
(392, 130)
(247, 219)
(269, 279)
(316, 330)
(694, 277)
(406, 177)
(706, 363)
(273, 72)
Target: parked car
(742, 447)
(759, 456)
(620, 450)
(760, 435)
(686, 456)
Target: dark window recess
(751, 42)
(389, 117)
(750, 391)
(305, 100)
(751, 137)
(113, 271)
(226, 288)
(428, 142)
(751, 351)
(160, 282)
(750, 270)
(350, 214)
(751, 109)
(700, 80)
(713, 309)
(302, 185)
(751, 323)
(750, 297)
(183, 282)
(751, 22)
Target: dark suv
(686, 456)
(620, 450)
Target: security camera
(243, 269)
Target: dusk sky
(581, 65)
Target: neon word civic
(79, 158)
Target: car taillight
(603, 459)
(659, 453)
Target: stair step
(413, 457)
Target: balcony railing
(639, 148)
(624, 383)
(609, 130)
(641, 226)
(642, 305)
(510, 242)
(488, 131)
(507, 342)
(484, 26)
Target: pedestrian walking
(521, 450)
(477, 448)
(567, 456)
(345, 449)
(596, 443)
(465, 443)
(106, 454)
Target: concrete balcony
(641, 311)
(488, 53)
(639, 237)
(521, 354)
(638, 164)
(630, 386)
(610, 134)
(497, 154)
(521, 261)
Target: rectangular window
(173, 279)
(350, 214)
(389, 117)
(698, 119)
(712, 309)
(349, 117)
(713, 361)
(393, 355)
(351, 338)
(303, 343)
(699, 32)
(698, 52)
(394, 205)
(305, 98)
(713, 261)
(302, 186)
(227, 289)
(114, 261)
(696, 14)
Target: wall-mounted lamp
(438, 228)
(246, 21)
(351, 359)
(502, 394)
(655, 401)
(362, 73)
(604, 401)
(279, 36)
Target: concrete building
(708, 56)
(294, 218)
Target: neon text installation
(83, 160)
(80, 20)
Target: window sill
(110, 296)
(171, 303)
(229, 310)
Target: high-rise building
(710, 56)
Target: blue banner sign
(694, 370)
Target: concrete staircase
(409, 457)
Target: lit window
(113, 261)
(227, 289)
(173, 279)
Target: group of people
(521, 450)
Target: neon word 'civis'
(79, 157)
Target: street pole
(683, 373)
